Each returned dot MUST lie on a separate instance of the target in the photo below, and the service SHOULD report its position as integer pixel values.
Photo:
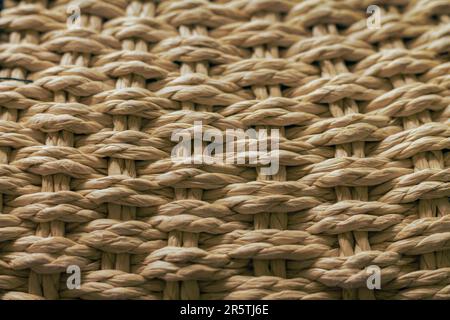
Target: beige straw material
(86, 175)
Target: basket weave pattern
(86, 176)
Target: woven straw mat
(88, 106)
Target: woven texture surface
(86, 177)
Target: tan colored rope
(87, 116)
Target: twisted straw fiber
(86, 176)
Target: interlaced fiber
(87, 179)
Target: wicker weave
(86, 177)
